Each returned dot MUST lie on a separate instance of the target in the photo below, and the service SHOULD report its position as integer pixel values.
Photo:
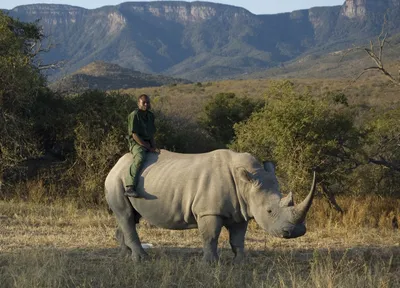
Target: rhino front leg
(210, 228)
(237, 232)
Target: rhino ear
(269, 166)
(244, 175)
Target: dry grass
(373, 91)
(60, 245)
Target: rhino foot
(238, 259)
(138, 257)
(210, 258)
(125, 252)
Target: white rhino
(205, 191)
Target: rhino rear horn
(287, 201)
(300, 210)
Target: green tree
(20, 85)
(384, 140)
(182, 135)
(382, 152)
(223, 111)
(301, 134)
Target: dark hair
(143, 96)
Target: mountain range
(202, 40)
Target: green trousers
(139, 154)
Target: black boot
(131, 192)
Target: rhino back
(182, 187)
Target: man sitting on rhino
(141, 130)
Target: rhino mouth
(297, 231)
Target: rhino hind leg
(125, 250)
(210, 228)
(237, 232)
(119, 236)
(131, 237)
(126, 218)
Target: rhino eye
(269, 211)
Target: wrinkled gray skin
(204, 191)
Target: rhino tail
(109, 210)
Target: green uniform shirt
(142, 124)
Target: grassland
(187, 100)
(61, 245)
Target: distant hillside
(347, 63)
(203, 40)
(106, 76)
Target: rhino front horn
(300, 210)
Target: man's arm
(154, 146)
(153, 143)
(140, 141)
(152, 140)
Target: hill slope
(106, 76)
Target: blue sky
(254, 6)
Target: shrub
(301, 134)
(382, 151)
(223, 111)
(97, 129)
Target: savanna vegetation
(55, 152)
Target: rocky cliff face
(185, 12)
(355, 8)
(182, 12)
(52, 14)
(63, 17)
(362, 8)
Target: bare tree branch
(55, 65)
(363, 72)
(331, 199)
(376, 56)
(37, 48)
(385, 163)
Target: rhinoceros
(205, 191)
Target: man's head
(144, 102)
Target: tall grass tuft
(56, 268)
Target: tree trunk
(331, 199)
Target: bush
(301, 134)
(97, 129)
(382, 152)
(182, 135)
(223, 111)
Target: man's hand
(154, 150)
(147, 146)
